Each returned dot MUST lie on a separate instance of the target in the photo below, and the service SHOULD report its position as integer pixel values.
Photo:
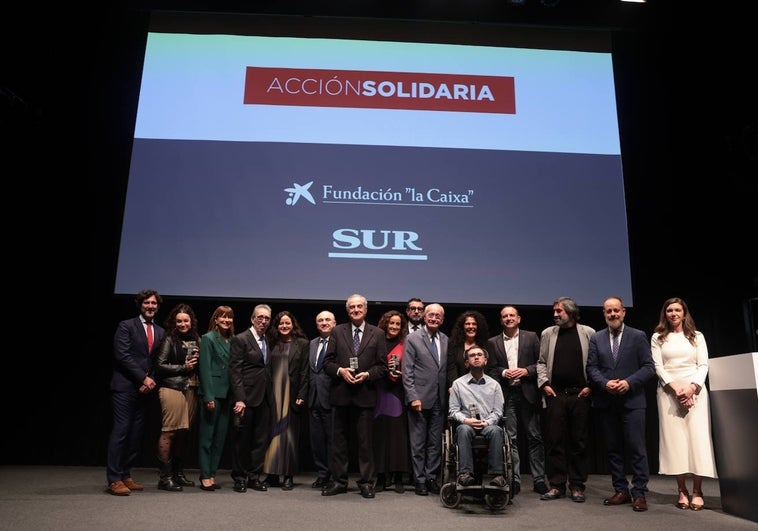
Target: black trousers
(252, 432)
(320, 427)
(342, 418)
(566, 432)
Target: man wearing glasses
(415, 313)
(425, 384)
(253, 395)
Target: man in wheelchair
(476, 408)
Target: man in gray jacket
(562, 376)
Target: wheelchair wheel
(510, 478)
(449, 465)
(449, 496)
(496, 501)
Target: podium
(733, 384)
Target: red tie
(149, 337)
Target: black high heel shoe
(683, 505)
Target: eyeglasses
(262, 318)
(415, 308)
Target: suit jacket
(634, 363)
(548, 339)
(372, 358)
(213, 366)
(249, 378)
(528, 355)
(423, 378)
(132, 361)
(456, 363)
(319, 382)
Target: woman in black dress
(391, 445)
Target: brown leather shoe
(619, 498)
(640, 504)
(132, 485)
(117, 488)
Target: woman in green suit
(214, 394)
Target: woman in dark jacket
(289, 369)
(176, 369)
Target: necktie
(321, 354)
(434, 349)
(263, 349)
(415, 327)
(357, 340)
(149, 337)
(615, 344)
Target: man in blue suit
(318, 400)
(425, 384)
(132, 386)
(619, 364)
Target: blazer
(528, 355)
(456, 364)
(318, 382)
(249, 378)
(634, 363)
(372, 358)
(547, 351)
(213, 366)
(423, 378)
(132, 361)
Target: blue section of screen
(319, 221)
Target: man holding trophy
(355, 359)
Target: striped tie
(615, 344)
(357, 340)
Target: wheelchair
(452, 493)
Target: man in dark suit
(514, 356)
(253, 394)
(425, 384)
(619, 364)
(132, 386)
(414, 311)
(318, 400)
(355, 359)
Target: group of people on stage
(394, 386)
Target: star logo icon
(297, 191)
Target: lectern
(733, 383)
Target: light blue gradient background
(192, 89)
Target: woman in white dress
(680, 355)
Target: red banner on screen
(379, 90)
